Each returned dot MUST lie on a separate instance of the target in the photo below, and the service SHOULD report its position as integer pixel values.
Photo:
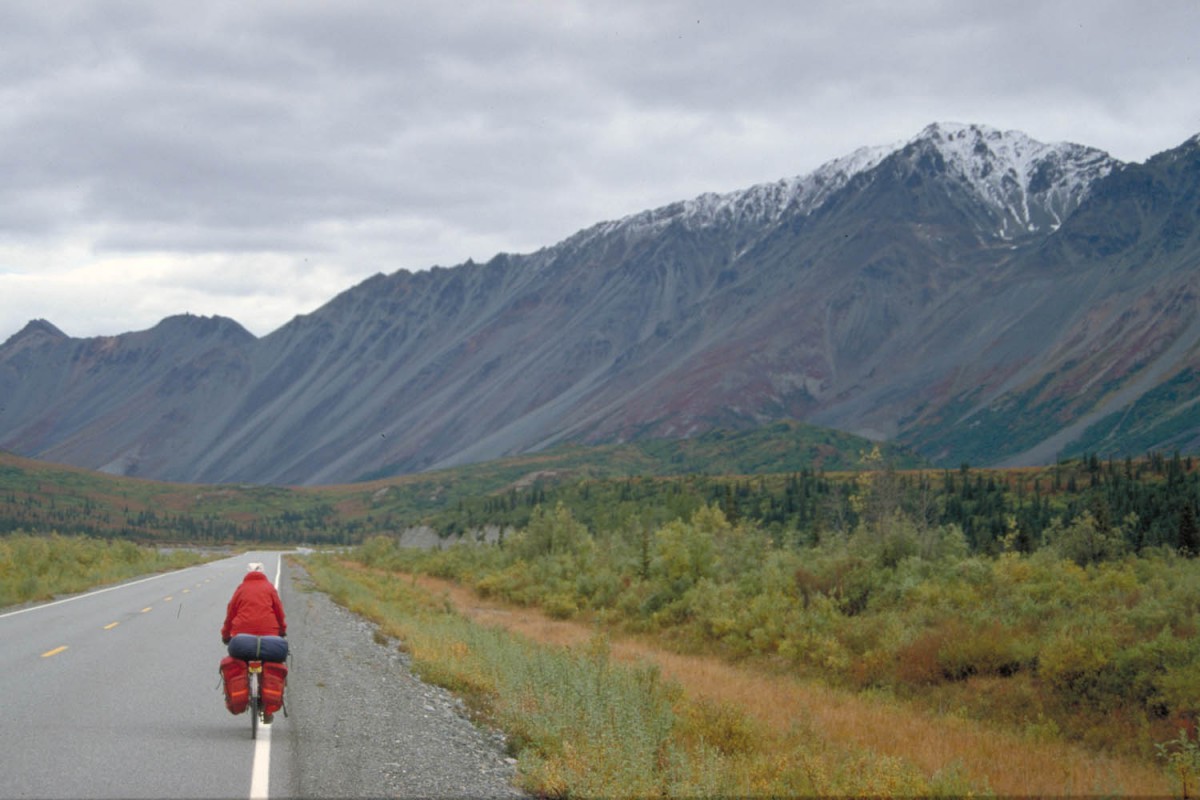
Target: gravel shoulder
(361, 724)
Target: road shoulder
(361, 724)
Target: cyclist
(255, 607)
(254, 612)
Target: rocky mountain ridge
(972, 293)
(1030, 184)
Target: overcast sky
(253, 159)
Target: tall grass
(583, 724)
(41, 567)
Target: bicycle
(254, 676)
(258, 701)
(250, 687)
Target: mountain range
(971, 294)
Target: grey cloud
(380, 135)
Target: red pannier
(237, 684)
(274, 680)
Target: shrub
(551, 533)
(1077, 664)
(721, 726)
(514, 583)
(916, 664)
(1179, 688)
(991, 649)
(378, 551)
(953, 650)
(1084, 541)
(1183, 763)
(559, 605)
(683, 555)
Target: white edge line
(260, 772)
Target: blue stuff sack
(249, 647)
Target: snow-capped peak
(1031, 184)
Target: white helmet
(255, 566)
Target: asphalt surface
(115, 694)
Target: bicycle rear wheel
(254, 705)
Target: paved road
(114, 693)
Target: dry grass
(1005, 762)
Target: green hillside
(39, 496)
(797, 482)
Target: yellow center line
(168, 599)
(111, 625)
(147, 608)
(54, 652)
(187, 591)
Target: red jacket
(255, 608)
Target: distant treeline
(1141, 503)
(81, 516)
(1148, 503)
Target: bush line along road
(114, 694)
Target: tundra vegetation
(1068, 624)
(582, 724)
